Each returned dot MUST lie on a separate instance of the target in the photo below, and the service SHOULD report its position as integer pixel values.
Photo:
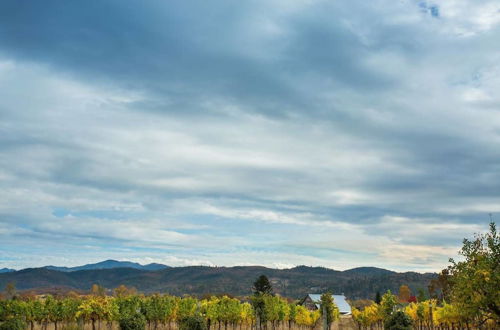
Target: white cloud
(359, 132)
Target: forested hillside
(199, 280)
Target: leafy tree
(13, 324)
(440, 287)
(187, 307)
(292, 314)
(475, 281)
(262, 286)
(305, 316)
(398, 321)
(209, 309)
(134, 321)
(388, 304)
(159, 309)
(404, 293)
(328, 309)
(97, 290)
(97, 309)
(369, 316)
(259, 308)
(10, 290)
(54, 310)
(421, 295)
(194, 322)
(122, 291)
(247, 314)
(12, 314)
(229, 310)
(275, 309)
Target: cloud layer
(223, 133)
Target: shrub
(193, 323)
(13, 324)
(135, 321)
(398, 321)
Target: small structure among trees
(313, 302)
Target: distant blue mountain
(110, 264)
(368, 271)
(6, 270)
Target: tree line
(132, 311)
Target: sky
(277, 133)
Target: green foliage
(158, 308)
(305, 317)
(259, 305)
(13, 324)
(195, 322)
(475, 282)
(98, 308)
(134, 321)
(328, 306)
(378, 298)
(421, 296)
(440, 287)
(262, 286)
(128, 305)
(398, 321)
(187, 307)
(388, 304)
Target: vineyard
(427, 314)
(170, 312)
(156, 312)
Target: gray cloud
(351, 130)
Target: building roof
(338, 299)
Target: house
(311, 301)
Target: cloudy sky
(279, 133)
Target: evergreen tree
(378, 298)
(262, 286)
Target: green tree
(440, 287)
(262, 285)
(12, 314)
(398, 321)
(328, 306)
(158, 309)
(97, 309)
(187, 307)
(388, 304)
(194, 322)
(229, 310)
(261, 288)
(475, 281)
(378, 298)
(421, 296)
(134, 321)
(13, 324)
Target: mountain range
(357, 283)
(109, 264)
(6, 270)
